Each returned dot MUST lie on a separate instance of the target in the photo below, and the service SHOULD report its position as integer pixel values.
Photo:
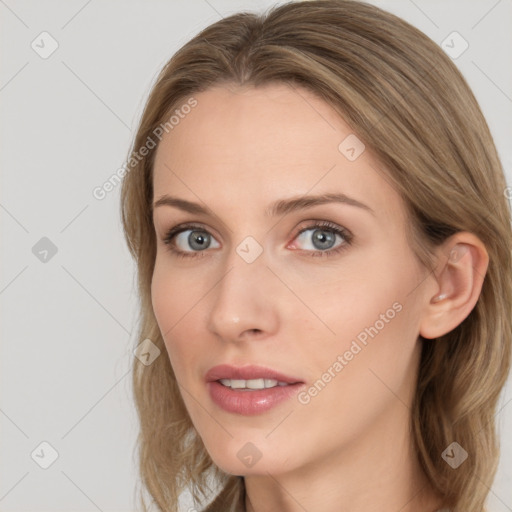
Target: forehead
(260, 143)
(252, 123)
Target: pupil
(326, 239)
(198, 241)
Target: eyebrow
(281, 207)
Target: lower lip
(250, 402)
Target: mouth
(251, 384)
(249, 390)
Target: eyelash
(343, 232)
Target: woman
(317, 213)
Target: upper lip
(226, 371)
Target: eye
(323, 239)
(181, 238)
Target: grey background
(68, 324)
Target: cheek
(163, 300)
(378, 342)
(369, 313)
(173, 305)
(173, 295)
(367, 369)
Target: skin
(349, 448)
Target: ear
(459, 276)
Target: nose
(245, 301)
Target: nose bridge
(241, 300)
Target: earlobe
(459, 280)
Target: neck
(377, 472)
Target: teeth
(251, 383)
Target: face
(319, 295)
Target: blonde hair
(405, 99)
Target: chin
(246, 458)
(236, 468)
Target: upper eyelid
(198, 226)
(180, 228)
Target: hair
(408, 102)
